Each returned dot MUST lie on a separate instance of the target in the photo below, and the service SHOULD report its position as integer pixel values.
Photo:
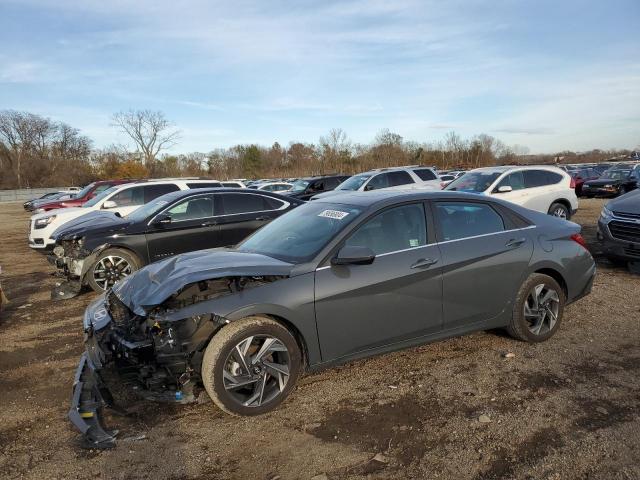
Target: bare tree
(335, 147)
(150, 131)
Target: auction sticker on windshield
(337, 214)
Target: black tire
(557, 207)
(520, 326)
(218, 355)
(93, 279)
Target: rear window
(425, 174)
(204, 185)
(462, 220)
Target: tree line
(38, 152)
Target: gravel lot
(565, 409)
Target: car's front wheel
(538, 309)
(251, 366)
(111, 265)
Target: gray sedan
(334, 280)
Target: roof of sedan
(382, 196)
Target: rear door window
(459, 220)
(204, 185)
(540, 178)
(425, 174)
(238, 203)
(331, 183)
(151, 192)
(399, 178)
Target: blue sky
(549, 75)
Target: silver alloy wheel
(109, 270)
(257, 370)
(541, 309)
(560, 212)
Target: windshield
(473, 181)
(299, 235)
(100, 197)
(299, 186)
(616, 174)
(148, 209)
(353, 183)
(85, 190)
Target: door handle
(210, 223)
(262, 218)
(515, 242)
(424, 262)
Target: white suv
(545, 189)
(395, 178)
(121, 199)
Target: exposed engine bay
(159, 359)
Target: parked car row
(608, 179)
(241, 289)
(99, 249)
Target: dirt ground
(565, 409)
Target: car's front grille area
(625, 231)
(632, 216)
(120, 313)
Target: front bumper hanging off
(89, 396)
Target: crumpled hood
(627, 203)
(98, 221)
(153, 284)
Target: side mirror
(160, 220)
(368, 188)
(349, 255)
(109, 204)
(505, 189)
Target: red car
(582, 175)
(84, 195)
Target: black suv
(305, 188)
(100, 248)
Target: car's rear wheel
(251, 366)
(538, 309)
(112, 265)
(559, 210)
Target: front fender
(295, 304)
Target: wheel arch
(91, 259)
(305, 337)
(562, 201)
(557, 276)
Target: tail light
(573, 183)
(576, 237)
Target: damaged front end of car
(73, 262)
(157, 352)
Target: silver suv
(393, 178)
